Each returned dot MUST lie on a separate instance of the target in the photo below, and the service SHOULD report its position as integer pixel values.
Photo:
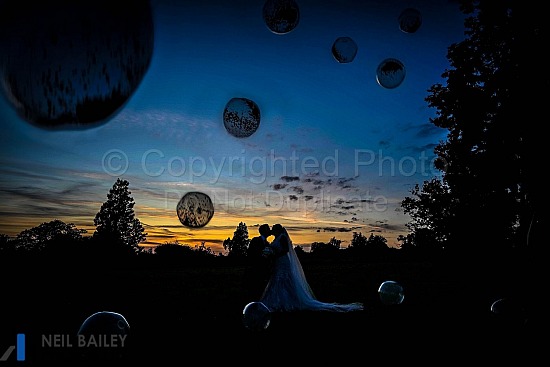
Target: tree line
(119, 233)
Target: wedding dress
(288, 289)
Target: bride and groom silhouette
(278, 279)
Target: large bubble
(241, 117)
(281, 16)
(344, 49)
(410, 20)
(73, 64)
(390, 73)
(256, 316)
(195, 209)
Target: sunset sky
(335, 152)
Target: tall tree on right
(489, 193)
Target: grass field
(183, 313)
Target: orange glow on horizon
(161, 228)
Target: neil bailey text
(97, 340)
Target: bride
(288, 289)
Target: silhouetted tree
(432, 211)
(176, 253)
(377, 243)
(373, 246)
(238, 245)
(7, 245)
(335, 243)
(54, 236)
(358, 241)
(421, 242)
(330, 249)
(300, 252)
(116, 224)
(317, 246)
(171, 250)
(204, 250)
(488, 178)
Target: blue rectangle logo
(20, 347)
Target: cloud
(279, 186)
(298, 189)
(339, 229)
(290, 178)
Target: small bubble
(281, 16)
(344, 49)
(241, 117)
(391, 293)
(256, 316)
(410, 20)
(390, 73)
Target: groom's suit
(258, 270)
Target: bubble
(73, 65)
(391, 293)
(390, 73)
(344, 49)
(410, 20)
(195, 209)
(241, 117)
(105, 322)
(103, 335)
(281, 16)
(256, 316)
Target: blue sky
(335, 152)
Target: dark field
(182, 314)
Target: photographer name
(98, 340)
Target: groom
(259, 267)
